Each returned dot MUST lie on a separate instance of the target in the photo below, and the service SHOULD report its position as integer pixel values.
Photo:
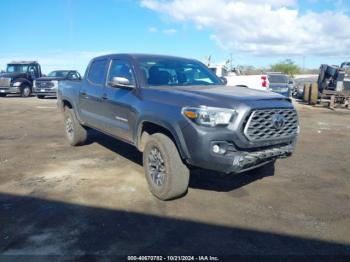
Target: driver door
(117, 100)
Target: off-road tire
(40, 96)
(3, 95)
(313, 94)
(176, 172)
(306, 93)
(26, 91)
(75, 132)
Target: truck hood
(13, 75)
(47, 78)
(232, 92)
(217, 96)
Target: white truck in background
(259, 82)
(234, 78)
(269, 82)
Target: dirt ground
(56, 199)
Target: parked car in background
(279, 83)
(47, 86)
(291, 83)
(19, 78)
(180, 115)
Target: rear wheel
(40, 96)
(76, 133)
(26, 91)
(166, 174)
(2, 95)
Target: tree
(287, 67)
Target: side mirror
(223, 80)
(120, 82)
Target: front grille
(44, 84)
(4, 81)
(261, 124)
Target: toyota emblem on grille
(278, 121)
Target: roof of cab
(140, 56)
(23, 62)
(62, 70)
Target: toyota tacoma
(180, 115)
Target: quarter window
(97, 72)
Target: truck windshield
(58, 74)
(278, 79)
(12, 68)
(175, 72)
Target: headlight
(209, 116)
(16, 84)
(55, 84)
(34, 84)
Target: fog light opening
(218, 150)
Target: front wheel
(26, 91)
(167, 176)
(76, 133)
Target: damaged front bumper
(238, 161)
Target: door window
(97, 72)
(123, 69)
(74, 76)
(33, 71)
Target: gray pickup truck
(47, 86)
(180, 115)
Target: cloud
(169, 31)
(262, 27)
(152, 29)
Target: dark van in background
(279, 83)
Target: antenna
(208, 58)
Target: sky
(66, 34)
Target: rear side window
(97, 72)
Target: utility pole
(303, 63)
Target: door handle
(104, 97)
(83, 93)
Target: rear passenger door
(90, 94)
(118, 101)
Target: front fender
(173, 128)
